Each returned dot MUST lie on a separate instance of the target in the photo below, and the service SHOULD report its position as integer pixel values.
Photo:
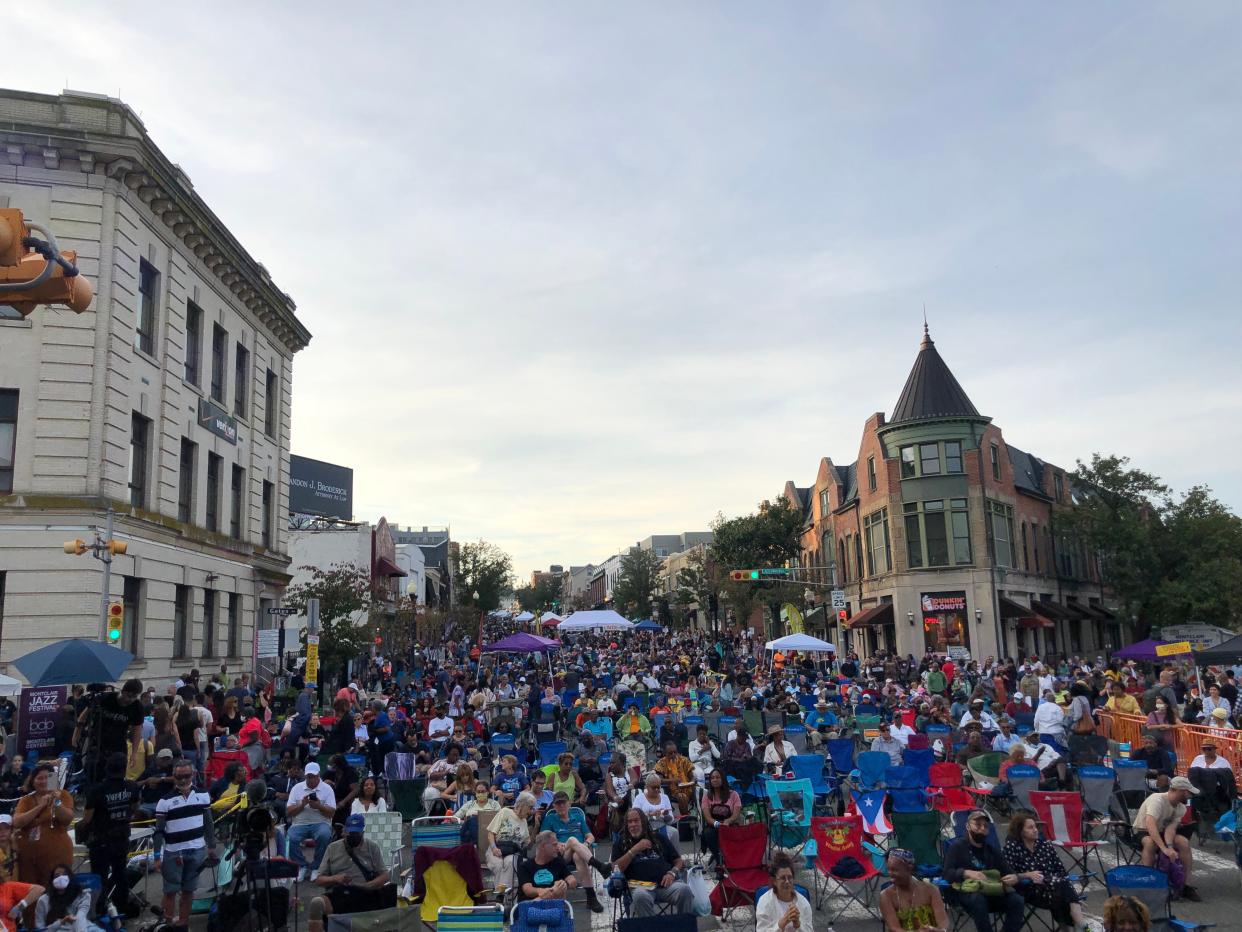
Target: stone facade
(169, 400)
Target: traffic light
(75, 547)
(843, 616)
(744, 575)
(34, 272)
(116, 620)
(117, 547)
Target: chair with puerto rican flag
(836, 839)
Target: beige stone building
(168, 400)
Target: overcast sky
(582, 272)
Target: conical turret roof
(931, 390)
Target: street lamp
(476, 596)
(411, 589)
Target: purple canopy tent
(1143, 650)
(522, 643)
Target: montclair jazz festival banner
(40, 710)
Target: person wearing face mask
(353, 875)
(64, 907)
(185, 840)
(965, 862)
(1162, 721)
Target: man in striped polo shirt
(184, 841)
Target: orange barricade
(1187, 739)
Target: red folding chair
(837, 838)
(945, 787)
(743, 849)
(1061, 817)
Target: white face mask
(61, 882)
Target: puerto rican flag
(871, 807)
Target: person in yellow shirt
(1121, 701)
(139, 762)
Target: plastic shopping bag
(698, 887)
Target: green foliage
(486, 569)
(345, 600)
(696, 581)
(638, 582)
(539, 597)
(1168, 561)
(769, 537)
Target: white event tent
(603, 619)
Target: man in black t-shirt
(110, 805)
(110, 721)
(650, 863)
(545, 876)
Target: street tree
(770, 537)
(484, 568)
(541, 597)
(1168, 560)
(696, 582)
(346, 597)
(639, 580)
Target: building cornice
(102, 136)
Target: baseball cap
(355, 823)
(311, 768)
(977, 814)
(1181, 783)
(164, 754)
(6, 819)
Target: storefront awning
(1035, 621)
(385, 567)
(1051, 610)
(1098, 611)
(1078, 612)
(1011, 609)
(881, 614)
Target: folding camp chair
(487, 918)
(434, 832)
(867, 726)
(399, 765)
(1097, 783)
(959, 828)
(542, 916)
(936, 731)
(921, 759)
(743, 849)
(919, 832)
(841, 753)
(811, 767)
(407, 797)
(1023, 779)
(795, 734)
(948, 794)
(443, 883)
(1150, 887)
(985, 768)
(870, 768)
(753, 719)
(549, 751)
(837, 838)
(789, 814)
(1061, 815)
(906, 789)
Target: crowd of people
(631, 772)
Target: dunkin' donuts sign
(944, 602)
(40, 710)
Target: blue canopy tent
(649, 625)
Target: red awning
(551, 622)
(385, 567)
(881, 614)
(1036, 621)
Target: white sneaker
(303, 874)
(314, 875)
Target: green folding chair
(919, 832)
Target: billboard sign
(318, 488)
(217, 420)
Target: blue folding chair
(841, 753)
(921, 759)
(870, 767)
(905, 789)
(549, 751)
(1097, 784)
(935, 731)
(1151, 888)
(795, 734)
(807, 702)
(791, 804)
(692, 722)
(811, 767)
